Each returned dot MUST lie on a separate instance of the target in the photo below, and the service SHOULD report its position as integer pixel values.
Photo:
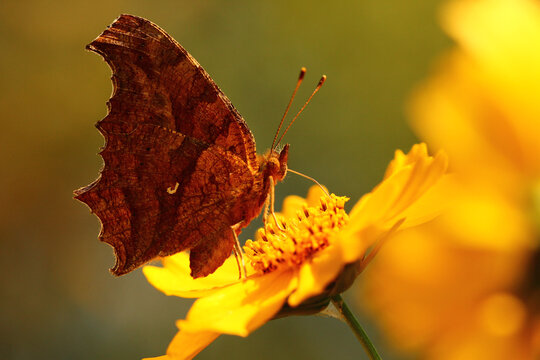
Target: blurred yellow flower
(315, 253)
(467, 285)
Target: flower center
(298, 238)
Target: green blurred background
(58, 299)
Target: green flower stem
(349, 317)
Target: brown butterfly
(180, 166)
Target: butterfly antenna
(300, 78)
(319, 85)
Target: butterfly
(180, 167)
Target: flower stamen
(299, 238)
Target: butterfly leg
(239, 255)
(272, 200)
(266, 209)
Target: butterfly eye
(273, 164)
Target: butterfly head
(275, 163)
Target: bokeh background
(58, 299)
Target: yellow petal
(315, 275)
(401, 160)
(476, 210)
(291, 205)
(482, 105)
(241, 308)
(294, 203)
(502, 35)
(408, 178)
(433, 200)
(186, 345)
(354, 243)
(487, 139)
(174, 277)
(314, 195)
(406, 197)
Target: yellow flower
(466, 286)
(296, 267)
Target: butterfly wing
(177, 154)
(157, 81)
